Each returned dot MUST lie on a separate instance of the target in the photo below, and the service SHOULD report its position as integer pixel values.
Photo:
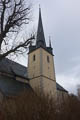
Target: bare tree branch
(13, 15)
(21, 45)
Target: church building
(40, 72)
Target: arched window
(34, 57)
(48, 60)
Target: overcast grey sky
(61, 20)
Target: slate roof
(40, 33)
(59, 87)
(12, 87)
(11, 67)
(9, 86)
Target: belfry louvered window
(34, 57)
(48, 60)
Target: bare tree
(13, 15)
(78, 91)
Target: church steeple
(40, 38)
(40, 42)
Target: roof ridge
(14, 62)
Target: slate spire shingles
(40, 42)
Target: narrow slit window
(48, 60)
(34, 57)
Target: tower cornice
(46, 49)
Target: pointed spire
(50, 42)
(30, 43)
(40, 32)
(39, 6)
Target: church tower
(41, 69)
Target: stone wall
(41, 71)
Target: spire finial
(39, 10)
(50, 41)
(39, 6)
(30, 43)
